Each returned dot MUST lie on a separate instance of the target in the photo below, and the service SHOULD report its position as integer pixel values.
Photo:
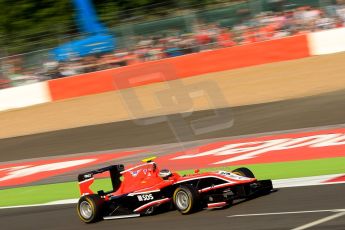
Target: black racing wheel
(90, 208)
(244, 172)
(186, 199)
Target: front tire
(90, 208)
(186, 199)
(244, 172)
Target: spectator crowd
(262, 27)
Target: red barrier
(242, 56)
(185, 66)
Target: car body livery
(144, 189)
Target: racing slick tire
(186, 199)
(90, 208)
(244, 172)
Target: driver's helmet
(165, 173)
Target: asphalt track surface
(320, 110)
(327, 109)
(311, 198)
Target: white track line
(287, 213)
(320, 221)
(304, 181)
(58, 202)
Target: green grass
(52, 192)
(283, 170)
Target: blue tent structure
(99, 40)
(80, 48)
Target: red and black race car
(144, 189)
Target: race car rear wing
(86, 179)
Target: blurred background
(47, 39)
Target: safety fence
(16, 70)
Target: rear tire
(90, 208)
(186, 199)
(244, 172)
